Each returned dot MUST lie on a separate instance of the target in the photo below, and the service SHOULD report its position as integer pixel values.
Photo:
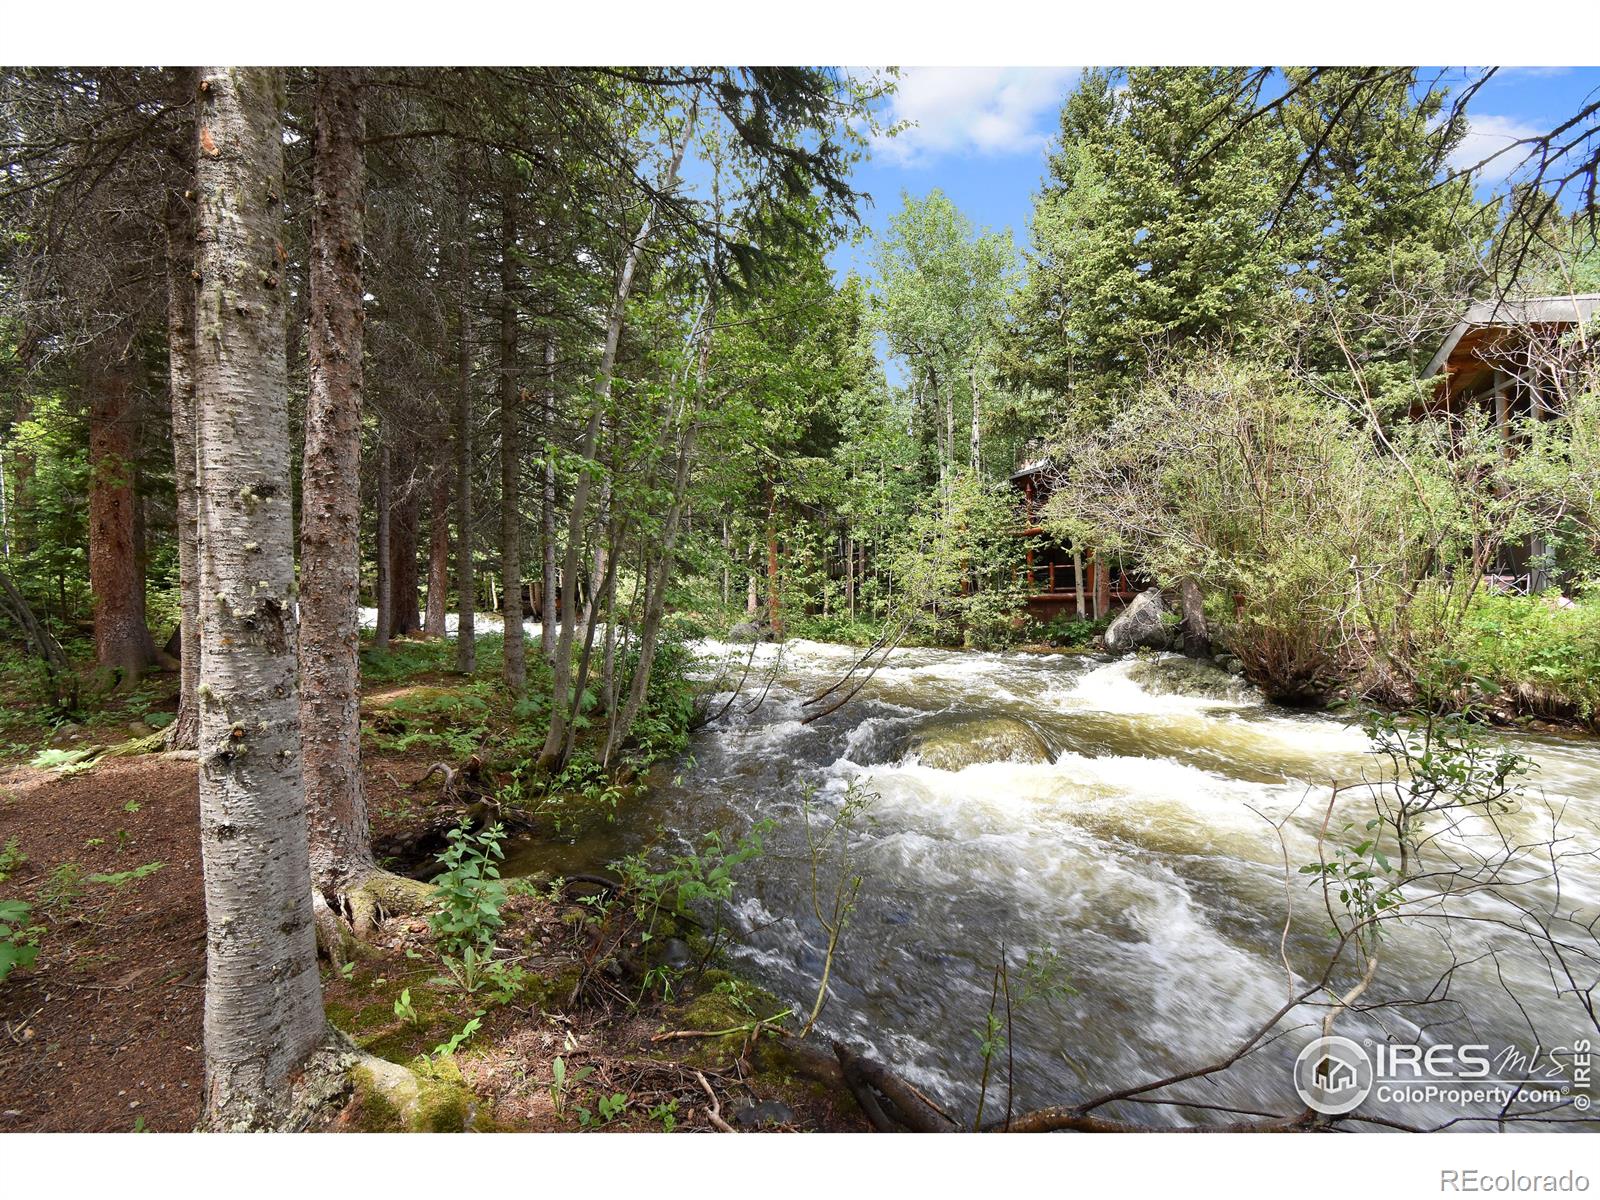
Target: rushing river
(1117, 814)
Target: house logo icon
(1333, 1075)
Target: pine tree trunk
(752, 586)
(547, 507)
(850, 575)
(184, 732)
(330, 524)
(433, 624)
(405, 534)
(383, 560)
(514, 668)
(774, 613)
(466, 582)
(121, 639)
(727, 571)
(263, 1012)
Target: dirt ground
(104, 1033)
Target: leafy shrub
(11, 858)
(835, 627)
(661, 729)
(1067, 629)
(19, 937)
(470, 891)
(956, 566)
(1544, 655)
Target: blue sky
(980, 133)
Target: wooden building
(1057, 581)
(1499, 361)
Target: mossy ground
(504, 1076)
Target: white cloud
(1487, 135)
(974, 110)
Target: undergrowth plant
(470, 892)
(696, 880)
(19, 936)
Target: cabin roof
(1533, 310)
(1032, 467)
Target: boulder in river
(751, 631)
(1141, 624)
(957, 742)
(1190, 677)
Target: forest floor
(104, 1032)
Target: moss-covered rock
(723, 1001)
(426, 1096)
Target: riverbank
(1530, 662)
(105, 1032)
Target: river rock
(753, 1114)
(1189, 677)
(1140, 625)
(751, 631)
(950, 745)
(676, 955)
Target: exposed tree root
(352, 916)
(383, 894)
(457, 784)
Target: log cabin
(1498, 360)
(1056, 582)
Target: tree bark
(433, 624)
(514, 662)
(1196, 637)
(330, 523)
(184, 732)
(658, 570)
(121, 638)
(383, 564)
(977, 436)
(263, 1011)
(547, 507)
(405, 533)
(466, 582)
(850, 575)
(752, 586)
